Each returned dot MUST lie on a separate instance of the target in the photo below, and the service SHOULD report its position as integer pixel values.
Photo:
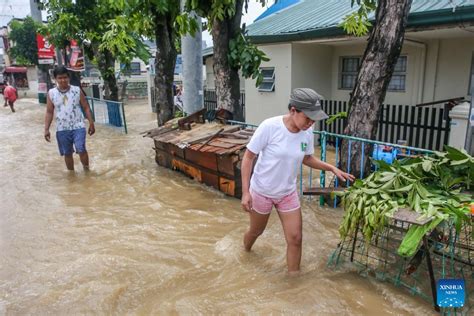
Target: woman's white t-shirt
(280, 154)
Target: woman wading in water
(282, 143)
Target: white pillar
(191, 49)
(459, 121)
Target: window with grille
(268, 83)
(135, 68)
(399, 75)
(350, 67)
(349, 70)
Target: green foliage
(337, 116)
(23, 35)
(101, 24)
(357, 23)
(247, 57)
(178, 114)
(430, 186)
(242, 53)
(138, 19)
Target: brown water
(133, 238)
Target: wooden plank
(196, 137)
(221, 144)
(159, 132)
(321, 191)
(227, 186)
(159, 145)
(222, 151)
(189, 170)
(246, 132)
(210, 179)
(227, 163)
(211, 138)
(233, 141)
(163, 158)
(174, 150)
(210, 149)
(233, 129)
(204, 159)
(197, 117)
(235, 135)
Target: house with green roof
(308, 48)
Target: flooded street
(131, 237)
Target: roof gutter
(415, 20)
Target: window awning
(15, 69)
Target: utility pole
(191, 50)
(42, 71)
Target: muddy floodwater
(133, 238)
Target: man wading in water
(69, 102)
(282, 143)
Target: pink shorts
(263, 205)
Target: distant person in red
(10, 96)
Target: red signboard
(45, 49)
(74, 57)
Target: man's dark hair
(291, 105)
(60, 70)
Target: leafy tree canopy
(243, 54)
(23, 35)
(357, 23)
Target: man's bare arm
(48, 118)
(87, 110)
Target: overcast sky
(21, 8)
(14, 9)
(255, 9)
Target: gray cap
(309, 102)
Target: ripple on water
(130, 237)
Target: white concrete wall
(262, 105)
(414, 71)
(452, 71)
(32, 90)
(209, 82)
(311, 67)
(436, 69)
(210, 78)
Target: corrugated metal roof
(277, 6)
(308, 15)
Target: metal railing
(395, 148)
(423, 127)
(210, 100)
(324, 144)
(108, 112)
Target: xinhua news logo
(450, 293)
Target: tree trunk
(110, 81)
(106, 66)
(227, 78)
(381, 54)
(165, 60)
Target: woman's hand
(343, 176)
(246, 202)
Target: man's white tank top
(68, 108)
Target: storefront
(17, 76)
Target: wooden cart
(211, 153)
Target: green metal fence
(108, 112)
(336, 139)
(451, 258)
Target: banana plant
(434, 187)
